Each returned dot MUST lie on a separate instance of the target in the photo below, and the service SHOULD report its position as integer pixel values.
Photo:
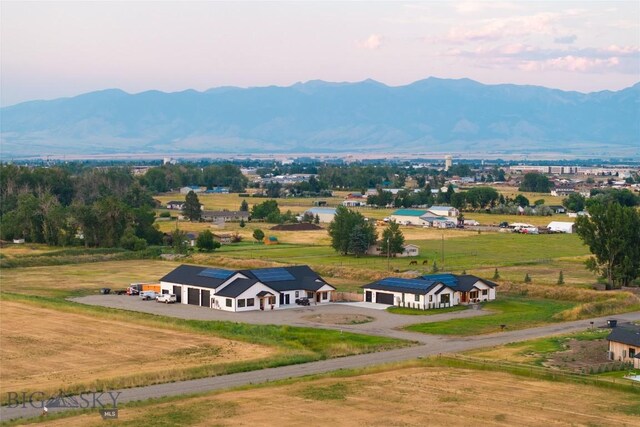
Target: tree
(560, 278)
(264, 209)
(434, 267)
(522, 201)
(258, 235)
(316, 219)
(242, 224)
(496, 275)
(342, 226)
(535, 182)
(612, 233)
(527, 278)
(179, 242)
(244, 206)
(205, 242)
(575, 202)
(392, 239)
(192, 208)
(358, 241)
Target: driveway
(383, 323)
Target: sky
(57, 49)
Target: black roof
(458, 282)
(235, 288)
(304, 279)
(627, 333)
(407, 286)
(188, 275)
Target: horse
(413, 263)
(425, 262)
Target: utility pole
(388, 254)
(442, 251)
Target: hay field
(415, 396)
(82, 278)
(44, 349)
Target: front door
(318, 294)
(464, 297)
(287, 301)
(261, 303)
(367, 296)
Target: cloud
(373, 42)
(623, 59)
(569, 39)
(501, 28)
(467, 7)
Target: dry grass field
(414, 396)
(43, 349)
(54, 280)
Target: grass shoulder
(514, 312)
(417, 312)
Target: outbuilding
(624, 344)
(561, 227)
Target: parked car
(503, 224)
(148, 295)
(166, 298)
(303, 301)
(105, 291)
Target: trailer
(137, 288)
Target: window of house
(297, 294)
(417, 297)
(430, 298)
(251, 302)
(309, 294)
(485, 292)
(240, 303)
(473, 294)
(632, 352)
(229, 302)
(325, 295)
(272, 300)
(445, 298)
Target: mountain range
(431, 115)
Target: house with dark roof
(624, 344)
(430, 291)
(245, 290)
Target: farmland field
(44, 349)
(413, 396)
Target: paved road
(431, 345)
(384, 323)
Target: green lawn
(477, 251)
(514, 312)
(416, 312)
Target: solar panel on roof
(272, 274)
(407, 283)
(216, 273)
(447, 279)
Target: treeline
(94, 208)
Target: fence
(348, 297)
(462, 361)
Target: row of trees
(163, 178)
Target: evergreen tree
(242, 224)
(358, 241)
(179, 242)
(496, 275)
(316, 220)
(561, 278)
(192, 208)
(527, 278)
(392, 239)
(244, 206)
(434, 267)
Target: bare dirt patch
(579, 355)
(402, 397)
(43, 349)
(339, 319)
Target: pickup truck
(166, 298)
(148, 295)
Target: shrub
(527, 278)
